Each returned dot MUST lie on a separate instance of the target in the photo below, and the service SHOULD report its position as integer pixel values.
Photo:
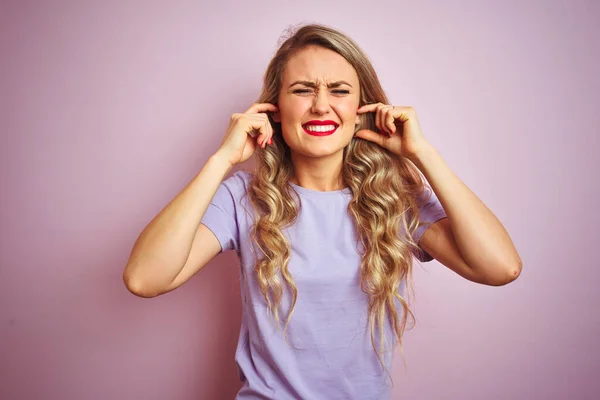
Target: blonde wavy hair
(384, 191)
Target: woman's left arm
(471, 241)
(471, 229)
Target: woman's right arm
(163, 256)
(176, 245)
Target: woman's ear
(276, 116)
(358, 124)
(361, 121)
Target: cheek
(346, 105)
(293, 112)
(347, 112)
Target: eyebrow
(314, 85)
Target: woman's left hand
(405, 137)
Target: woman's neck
(323, 174)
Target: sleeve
(220, 216)
(430, 211)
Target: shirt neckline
(312, 192)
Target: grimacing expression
(318, 84)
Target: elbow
(508, 275)
(137, 287)
(515, 272)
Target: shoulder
(240, 178)
(238, 183)
(424, 196)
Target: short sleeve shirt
(328, 353)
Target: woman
(325, 227)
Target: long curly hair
(384, 190)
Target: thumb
(370, 135)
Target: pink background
(109, 109)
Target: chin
(320, 149)
(309, 146)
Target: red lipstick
(320, 132)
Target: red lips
(320, 123)
(317, 122)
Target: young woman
(345, 192)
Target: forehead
(318, 64)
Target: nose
(321, 103)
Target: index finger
(368, 108)
(261, 107)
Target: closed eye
(336, 91)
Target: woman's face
(318, 86)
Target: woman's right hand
(247, 131)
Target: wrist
(221, 161)
(423, 155)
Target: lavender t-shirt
(329, 355)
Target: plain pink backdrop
(109, 108)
